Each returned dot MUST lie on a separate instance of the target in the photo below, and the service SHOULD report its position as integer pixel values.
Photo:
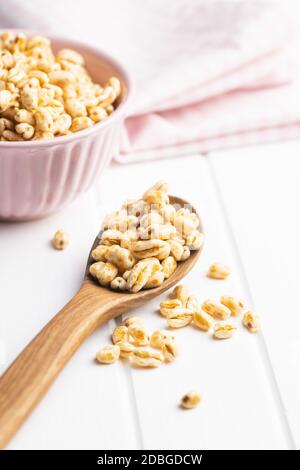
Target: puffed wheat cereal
(104, 272)
(216, 309)
(60, 240)
(52, 93)
(159, 337)
(168, 212)
(152, 218)
(190, 400)
(222, 331)
(167, 306)
(120, 334)
(186, 253)
(126, 349)
(118, 283)
(168, 266)
(251, 322)
(156, 279)
(177, 249)
(25, 130)
(202, 320)
(192, 303)
(218, 271)
(138, 335)
(108, 354)
(169, 351)
(120, 257)
(180, 317)
(181, 293)
(235, 305)
(145, 358)
(11, 136)
(98, 254)
(111, 237)
(140, 240)
(150, 248)
(141, 274)
(80, 123)
(195, 240)
(156, 197)
(185, 222)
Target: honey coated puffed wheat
(142, 243)
(45, 94)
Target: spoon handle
(27, 380)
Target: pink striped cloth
(209, 74)
(244, 91)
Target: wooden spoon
(28, 378)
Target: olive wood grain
(27, 380)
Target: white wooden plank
(260, 192)
(239, 409)
(82, 407)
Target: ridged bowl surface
(37, 178)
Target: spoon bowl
(133, 300)
(26, 381)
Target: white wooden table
(249, 202)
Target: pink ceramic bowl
(38, 178)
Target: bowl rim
(116, 63)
